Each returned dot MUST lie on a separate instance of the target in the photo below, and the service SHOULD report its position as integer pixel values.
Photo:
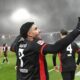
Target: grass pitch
(8, 72)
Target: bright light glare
(3, 36)
(20, 15)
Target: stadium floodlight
(3, 37)
(20, 15)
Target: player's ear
(29, 33)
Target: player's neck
(30, 38)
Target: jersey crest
(40, 42)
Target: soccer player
(31, 51)
(67, 59)
(5, 49)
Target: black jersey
(31, 55)
(67, 58)
(31, 60)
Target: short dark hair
(64, 32)
(25, 28)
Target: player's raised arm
(63, 43)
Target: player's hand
(15, 67)
(77, 67)
(78, 24)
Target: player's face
(34, 31)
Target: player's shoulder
(74, 44)
(37, 44)
(39, 41)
